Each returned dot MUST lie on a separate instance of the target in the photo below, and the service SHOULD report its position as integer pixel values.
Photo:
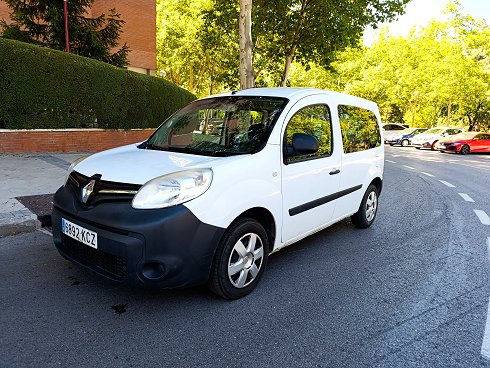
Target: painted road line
(409, 167)
(485, 346)
(432, 176)
(483, 217)
(447, 184)
(466, 197)
(393, 162)
(488, 247)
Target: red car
(465, 143)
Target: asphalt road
(411, 291)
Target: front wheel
(465, 149)
(366, 214)
(240, 260)
(405, 143)
(433, 146)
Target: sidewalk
(31, 179)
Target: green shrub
(42, 88)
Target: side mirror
(304, 144)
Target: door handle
(334, 172)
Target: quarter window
(312, 120)
(360, 130)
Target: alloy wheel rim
(371, 206)
(245, 260)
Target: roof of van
(291, 93)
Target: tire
(405, 143)
(433, 146)
(392, 144)
(368, 209)
(417, 147)
(240, 260)
(465, 150)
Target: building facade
(139, 31)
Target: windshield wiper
(152, 146)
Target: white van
(219, 186)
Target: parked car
(189, 207)
(465, 143)
(429, 138)
(391, 129)
(404, 138)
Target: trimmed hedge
(42, 88)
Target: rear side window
(312, 120)
(360, 130)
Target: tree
(189, 55)
(438, 74)
(42, 22)
(245, 41)
(303, 30)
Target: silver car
(429, 138)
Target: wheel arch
(378, 183)
(264, 217)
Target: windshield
(407, 131)
(434, 131)
(465, 135)
(220, 126)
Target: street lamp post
(67, 36)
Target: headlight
(72, 166)
(170, 190)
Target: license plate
(79, 233)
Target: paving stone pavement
(28, 174)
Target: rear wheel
(465, 150)
(366, 214)
(240, 260)
(405, 143)
(417, 147)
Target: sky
(420, 12)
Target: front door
(309, 182)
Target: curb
(34, 214)
(18, 222)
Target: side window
(313, 120)
(397, 127)
(360, 130)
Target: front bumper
(163, 248)
(422, 144)
(448, 148)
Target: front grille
(95, 258)
(103, 190)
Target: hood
(132, 165)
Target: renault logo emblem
(87, 191)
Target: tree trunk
(294, 43)
(287, 67)
(245, 42)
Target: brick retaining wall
(69, 140)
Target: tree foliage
(42, 22)
(188, 56)
(301, 30)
